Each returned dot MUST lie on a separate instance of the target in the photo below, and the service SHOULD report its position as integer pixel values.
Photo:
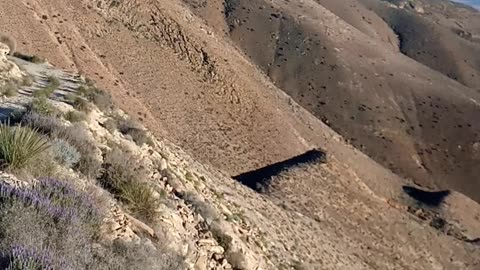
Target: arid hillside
(399, 81)
(285, 135)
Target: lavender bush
(51, 214)
(22, 258)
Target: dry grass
(125, 177)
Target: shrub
(135, 131)
(81, 104)
(74, 116)
(43, 165)
(42, 106)
(19, 145)
(110, 125)
(127, 255)
(125, 178)
(50, 214)
(52, 84)
(22, 258)
(46, 124)
(28, 80)
(89, 165)
(100, 98)
(10, 42)
(8, 90)
(65, 153)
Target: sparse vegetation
(100, 98)
(133, 129)
(30, 58)
(19, 145)
(8, 90)
(52, 84)
(110, 125)
(125, 177)
(66, 154)
(41, 105)
(75, 116)
(90, 163)
(81, 104)
(46, 124)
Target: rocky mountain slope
(214, 222)
(242, 85)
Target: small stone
(163, 164)
(217, 250)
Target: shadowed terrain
(260, 179)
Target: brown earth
(342, 61)
(258, 82)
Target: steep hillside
(405, 115)
(248, 90)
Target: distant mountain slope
(410, 118)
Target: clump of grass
(28, 80)
(81, 104)
(46, 124)
(19, 145)
(135, 131)
(8, 90)
(110, 125)
(76, 135)
(75, 116)
(100, 98)
(43, 165)
(52, 84)
(10, 42)
(125, 178)
(41, 105)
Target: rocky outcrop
(8, 70)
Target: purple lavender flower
(56, 198)
(24, 258)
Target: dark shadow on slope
(259, 179)
(429, 198)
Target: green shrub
(52, 84)
(125, 177)
(66, 154)
(139, 197)
(75, 116)
(135, 131)
(100, 98)
(42, 106)
(19, 145)
(81, 104)
(89, 164)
